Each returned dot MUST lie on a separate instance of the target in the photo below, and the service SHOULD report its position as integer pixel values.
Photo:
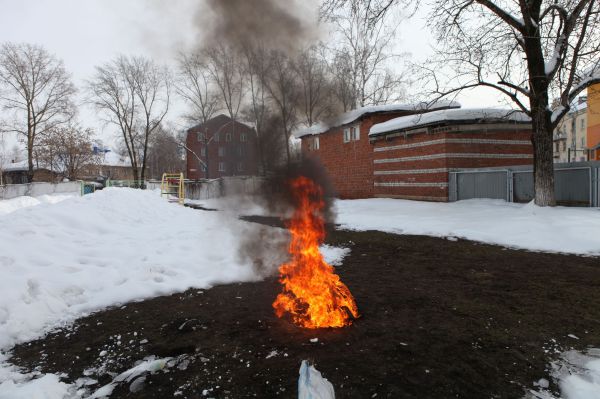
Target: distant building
(342, 145)
(408, 151)
(16, 173)
(593, 122)
(221, 147)
(110, 166)
(570, 136)
(414, 154)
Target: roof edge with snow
(450, 116)
(352, 116)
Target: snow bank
(62, 261)
(577, 374)
(475, 115)
(559, 229)
(11, 205)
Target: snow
(104, 249)
(311, 385)
(114, 246)
(468, 114)
(14, 204)
(550, 65)
(577, 374)
(149, 365)
(351, 116)
(45, 387)
(525, 226)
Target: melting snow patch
(577, 375)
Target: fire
(313, 294)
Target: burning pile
(313, 294)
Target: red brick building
(410, 156)
(344, 149)
(413, 155)
(221, 147)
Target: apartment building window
(355, 132)
(203, 151)
(221, 166)
(243, 137)
(221, 151)
(240, 167)
(582, 124)
(346, 135)
(228, 137)
(202, 167)
(352, 133)
(240, 151)
(216, 137)
(200, 136)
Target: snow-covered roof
(578, 106)
(20, 166)
(111, 158)
(472, 115)
(351, 116)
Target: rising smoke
(272, 24)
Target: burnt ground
(440, 318)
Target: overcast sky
(86, 33)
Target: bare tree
(133, 93)
(282, 86)
(224, 66)
(315, 99)
(362, 56)
(195, 86)
(256, 69)
(36, 92)
(68, 151)
(165, 153)
(153, 87)
(530, 52)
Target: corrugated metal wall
(576, 184)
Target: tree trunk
(30, 171)
(543, 162)
(287, 147)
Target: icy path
(560, 229)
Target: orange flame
(313, 294)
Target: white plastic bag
(311, 385)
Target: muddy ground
(440, 319)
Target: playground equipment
(172, 185)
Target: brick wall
(350, 165)
(225, 148)
(416, 166)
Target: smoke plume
(273, 24)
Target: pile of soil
(440, 318)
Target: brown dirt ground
(440, 319)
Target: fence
(225, 186)
(576, 184)
(215, 188)
(35, 189)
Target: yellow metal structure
(172, 185)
